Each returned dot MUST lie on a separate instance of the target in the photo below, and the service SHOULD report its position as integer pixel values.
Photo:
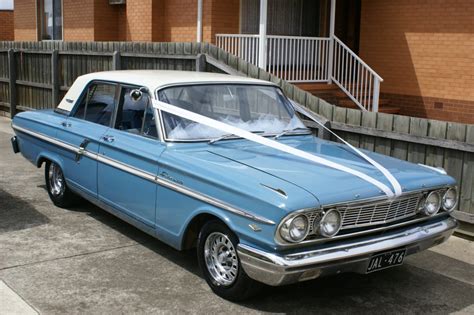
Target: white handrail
(359, 81)
(358, 58)
(297, 37)
(237, 35)
(292, 58)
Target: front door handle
(82, 149)
(65, 124)
(108, 138)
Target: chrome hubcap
(221, 259)
(56, 180)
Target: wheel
(58, 191)
(220, 264)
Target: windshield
(254, 108)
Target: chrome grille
(379, 213)
(374, 213)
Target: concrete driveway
(83, 260)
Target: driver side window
(135, 116)
(98, 104)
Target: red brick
(423, 49)
(6, 22)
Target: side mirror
(136, 95)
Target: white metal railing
(355, 77)
(292, 58)
(311, 59)
(298, 59)
(243, 46)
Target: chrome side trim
(211, 200)
(150, 177)
(47, 139)
(181, 189)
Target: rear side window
(98, 104)
(135, 116)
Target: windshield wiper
(227, 136)
(284, 132)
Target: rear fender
(49, 156)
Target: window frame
(84, 94)
(40, 19)
(121, 86)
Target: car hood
(328, 185)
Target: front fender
(249, 232)
(170, 231)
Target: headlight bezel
(284, 229)
(325, 215)
(425, 200)
(456, 199)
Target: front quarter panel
(177, 211)
(227, 181)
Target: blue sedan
(226, 165)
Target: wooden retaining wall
(37, 74)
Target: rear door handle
(65, 124)
(108, 138)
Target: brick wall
(97, 20)
(25, 20)
(424, 50)
(6, 22)
(175, 20)
(138, 20)
(180, 19)
(78, 20)
(225, 18)
(108, 20)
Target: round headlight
(432, 203)
(331, 223)
(450, 199)
(295, 229)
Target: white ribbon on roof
(228, 129)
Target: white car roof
(152, 79)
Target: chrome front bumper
(348, 256)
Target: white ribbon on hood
(385, 172)
(228, 129)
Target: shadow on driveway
(17, 214)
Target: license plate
(386, 260)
